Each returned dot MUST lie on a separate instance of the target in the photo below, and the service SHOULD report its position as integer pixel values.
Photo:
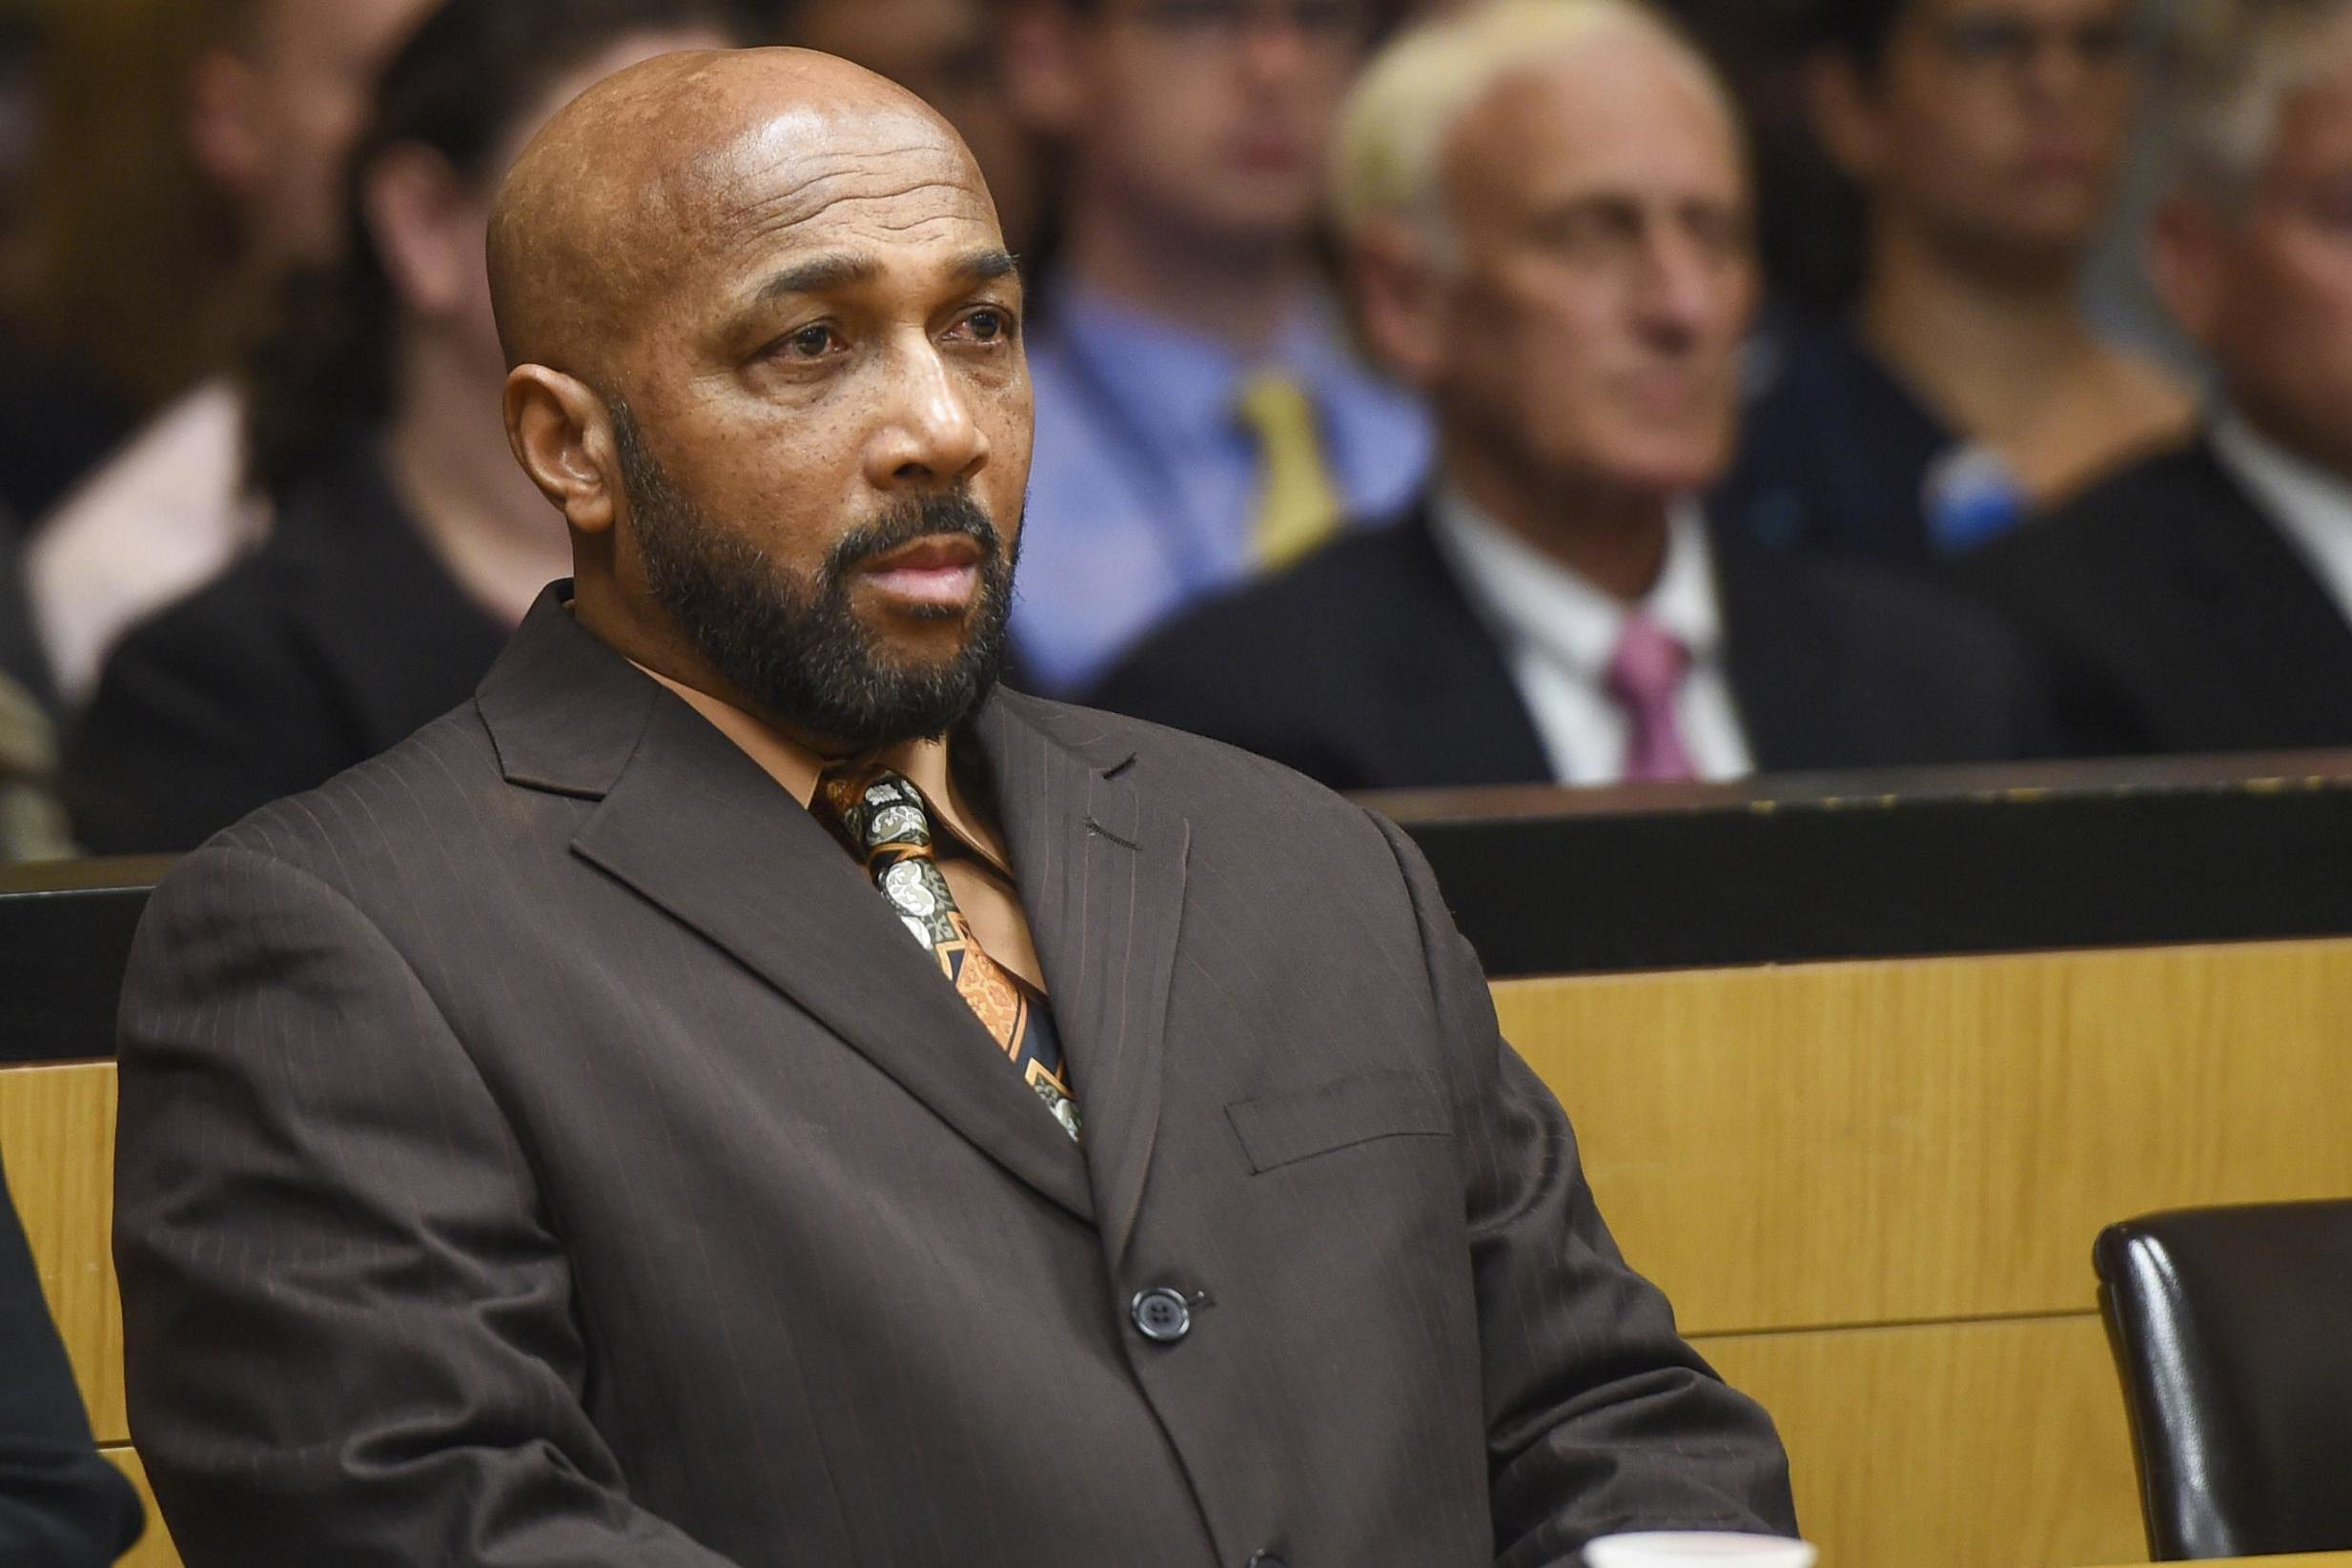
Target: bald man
(746, 1091)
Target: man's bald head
(655, 167)
(765, 354)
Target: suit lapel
(1455, 714)
(696, 828)
(1101, 872)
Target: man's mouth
(940, 569)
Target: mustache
(918, 518)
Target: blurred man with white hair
(1545, 211)
(2202, 599)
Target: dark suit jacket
(1835, 450)
(339, 637)
(61, 1506)
(540, 1145)
(2174, 616)
(1368, 667)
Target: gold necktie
(1298, 505)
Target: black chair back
(65, 938)
(2233, 1330)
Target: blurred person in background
(409, 543)
(1200, 413)
(1547, 225)
(61, 1505)
(1969, 386)
(951, 54)
(275, 93)
(2201, 599)
(58, 415)
(32, 824)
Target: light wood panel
(154, 1549)
(1950, 1445)
(1931, 1139)
(2283, 1559)
(58, 1137)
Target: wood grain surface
(1941, 1138)
(58, 1137)
(1951, 1445)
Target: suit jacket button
(1161, 1316)
(1266, 1559)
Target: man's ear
(1044, 66)
(418, 217)
(1399, 299)
(562, 434)
(1844, 114)
(2185, 243)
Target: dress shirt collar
(797, 769)
(1181, 386)
(2311, 505)
(1533, 599)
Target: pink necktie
(1644, 675)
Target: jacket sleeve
(348, 1331)
(1599, 1416)
(61, 1506)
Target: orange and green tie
(887, 820)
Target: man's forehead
(816, 170)
(695, 168)
(1623, 112)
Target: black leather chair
(65, 939)
(2233, 1330)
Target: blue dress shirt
(1143, 486)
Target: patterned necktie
(1643, 676)
(889, 823)
(1298, 503)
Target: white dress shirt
(2311, 505)
(1559, 633)
(161, 519)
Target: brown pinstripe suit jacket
(540, 1147)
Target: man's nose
(1680, 288)
(928, 436)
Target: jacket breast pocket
(1279, 1129)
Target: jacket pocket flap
(1282, 1128)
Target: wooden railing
(1870, 1186)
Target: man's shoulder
(437, 798)
(241, 606)
(1221, 789)
(1872, 604)
(2126, 539)
(1902, 652)
(2157, 503)
(1320, 616)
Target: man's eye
(810, 342)
(988, 326)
